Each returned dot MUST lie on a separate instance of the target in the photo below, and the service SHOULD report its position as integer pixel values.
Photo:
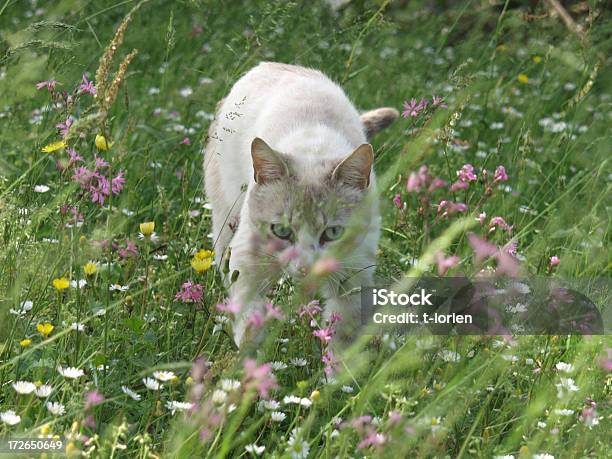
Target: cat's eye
(332, 233)
(281, 231)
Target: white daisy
(298, 449)
(565, 367)
(130, 393)
(117, 287)
(70, 372)
(41, 188)
(44, 391)
(271, 404)
(347, 389)
(55, 408)
(278, 365)
(566, 386)
(229, 385)
(152, 384)
(254, 449)
(160, 257)
(82, 283)
(278, 416)
(24, 387)
(564, 412)
(175, 406)
(9, 417)
(219, 397)
(77, 326)
(298, 361)
(449, 356)
(164, 375)
(24, 308)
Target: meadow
(115, 323)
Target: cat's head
(301, 208)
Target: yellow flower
(315, 395)
(523, 78)
(537, 59)
(61, 284)
(45, 430)
(202, 261)
(54, 146)
(102, 144)
(90, 268)
(147, 228)
(45, 329)
(25, 342)
(189, 381)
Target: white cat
(287, 165)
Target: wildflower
(54, 146)
(277, 416)
(10, 417)
(25, 342)
(189, 293)
(315, 395)
(24, 387)
(119, 288)
(24, 308)
(152, 384)
(70, 372)
(73, 155)
(500, 174)
(445, 263)
(229, 385)
(93, 398)
(298, 361)
(449, 356)
(554, 261)
(330, 362)
(273, 312)
(437, 101)
(397, 200)
(298, 449)
(164, 376)
(101, 143)
(49, 84)
(413, 108)
(589, 417)
(499, 222)
(147, 228)
(259, 377)
(41, 188)
(324, 334)
(186, 141)
(565, 387)
(482, 217)
(231, 306)
(459, 185)
(117, 183)
(130, 393)
(78, 284)
(202, 260)
(55, 408)
(64, 126)
(311, 309)
(522, 78)
(87, 86)
(565, 367)
(130, 249)
(90, 268)
(449, 207)
(413, 184)
(466, 173)
(61, 284)
(254, 449)
(45, 329)
(175, 406)
(324, 266)
(536, 59)
(43, 391)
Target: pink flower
(511, 247)
(100, 163)
(397, 200)
(499, 222)
(459, 185)
(445, 263)
(500, 174)
(64, 126)
(186, 141)
(256, 320)
(117, 183)
(259, 377)
(334, 317)
(413, 108)
(482, 217)
(92, 399)
(324, 266)
(49, 84)
(466, 173)
(324, 334)
(231, 306)
(554, 260)
(437, 101)
(311, 309)
(437, 183)
(449, 207)
(413, 184)
(273, 312)
(190, 293)
(482, 249)
(372, 438)
(87, 86)
(330, 362)
(74, 156)
(130, 249)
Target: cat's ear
(268, 165)
(355, 169)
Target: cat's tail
(378, 119)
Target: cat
(288, 173)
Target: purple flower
(466, 173)
(92, 399)
(101, 162)
(190, 293)
(87, 86)
(49, 84)
(130, 249)
(459, 185)
(413, 108)
(397, 200)
(324, 334)
(500, 174)
(74, 156)
(311, 309)
(554, 260)
(117, 183)
(231, 306)
(186, 141)
(65, 126)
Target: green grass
(550, 130)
